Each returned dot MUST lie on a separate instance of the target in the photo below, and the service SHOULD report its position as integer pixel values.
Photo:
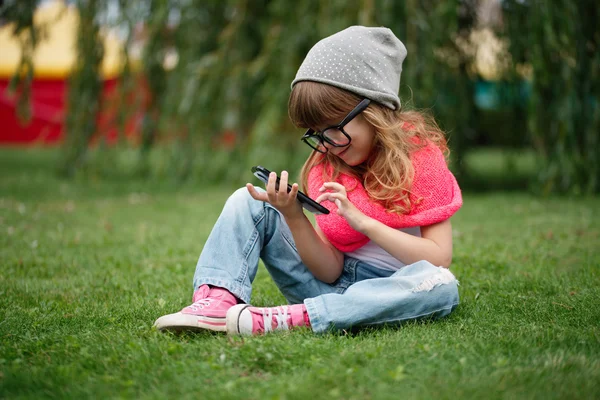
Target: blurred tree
(561, 42)
(126, 86)
(154, 75)
(218, 75)
(85, 87)
(20, 13)
(228, 93)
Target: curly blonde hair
(388, 173)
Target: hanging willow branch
(20, 13)
(155, 74)
(85, 87)
(561, 42)
(126, 83)
(225, 102)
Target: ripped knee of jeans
(441, 277)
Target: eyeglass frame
(310, 133)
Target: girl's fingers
(291, 196)
(322, 197)
(331, 197)
(271, 191)
(332, 186)
(277, 194)
(283, 182)
(271, 183)
(255, 194)
(337, 196)
(294, 191)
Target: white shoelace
(280, 317)
(200, 304)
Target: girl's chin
(353, 161)
(346, 156)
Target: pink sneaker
(207, 312)
(243, 319)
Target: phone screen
(309, 204)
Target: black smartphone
(309, 204)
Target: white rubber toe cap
(239, 320)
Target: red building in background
(53, 60)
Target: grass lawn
(87, 266)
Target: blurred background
(195, 91)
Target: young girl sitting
(381, 256)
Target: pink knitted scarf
(435, 197)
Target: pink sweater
(435, 197)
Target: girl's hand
(283, 201)
(337, 194)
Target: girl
(381, 255)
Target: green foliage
(20, 13)
(153, 70)
(561, 42)
(226, 99)
(222, 105)
(85, 87)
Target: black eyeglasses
(334, 135)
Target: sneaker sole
(184, 322)
(233, 318)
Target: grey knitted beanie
(365, 61)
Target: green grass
(87, 266)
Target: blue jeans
(248, 230)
